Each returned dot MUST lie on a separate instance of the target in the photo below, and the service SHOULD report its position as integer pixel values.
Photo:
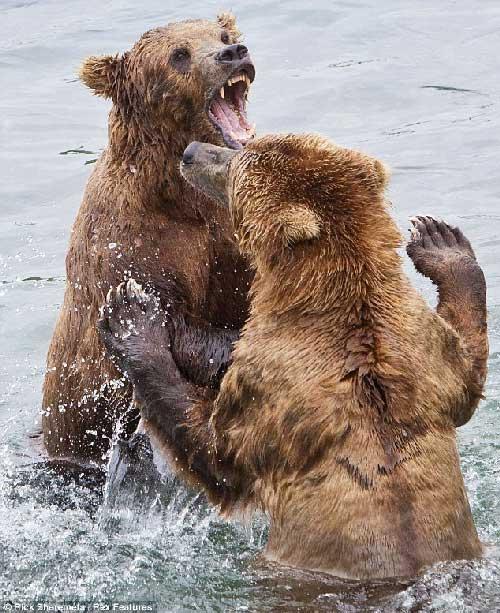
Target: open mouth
(227, 109)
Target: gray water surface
(414, 83)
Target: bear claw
(436, 233)
(435, 246)
(128, 293)
(124, 317)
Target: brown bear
(139, 218)
(337, 416)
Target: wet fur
(166, 234)
(337, 416)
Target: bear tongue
(228, 120)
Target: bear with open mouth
(338, 414)
(185, 81)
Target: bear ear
(299, 223)
(228, 22)
(382, 174)
(99, 73)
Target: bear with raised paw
(139, 218)
(338, 414)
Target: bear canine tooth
(222, 92)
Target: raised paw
(125, 322)
(438, 249)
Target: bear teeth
(227, 110)
(240, 77)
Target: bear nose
(189, 153)
(231, 53)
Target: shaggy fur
(140, 218)
(337, 416)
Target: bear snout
(188, 157)
(232, 53)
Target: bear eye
(225, 37)
(180, 59)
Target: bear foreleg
(443, 254)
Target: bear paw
(126, 322)
(437, 249)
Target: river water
(414, 83)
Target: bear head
(189, 78)
(300, 204)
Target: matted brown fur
(337, 416)
(140, 218)
(340, 405)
